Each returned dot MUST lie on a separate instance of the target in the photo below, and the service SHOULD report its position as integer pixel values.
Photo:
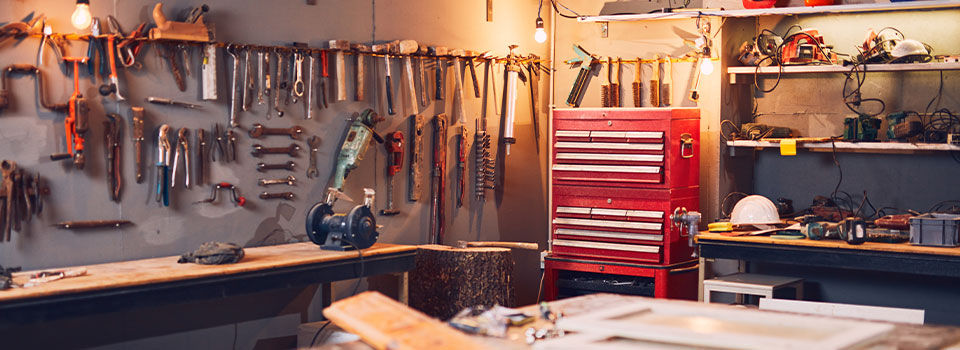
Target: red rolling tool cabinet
(617, 174)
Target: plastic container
(818, 2)
(935, 229)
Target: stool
(751, 284)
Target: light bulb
(81, 16)
(540, 35)
(706, 66)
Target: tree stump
(447, 279)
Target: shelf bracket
(604, 29)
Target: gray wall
(28, 133)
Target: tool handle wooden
(323, 63)
(514, 245)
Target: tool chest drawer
(631, 147)
(620, 223)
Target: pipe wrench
(163, 165)
(182, 152)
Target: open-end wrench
(289, 180)
(279, 195)
(259, 151)
(263, 167)
(249, 82)
(314, 143)
(266, 83)
(259, 131)
(298, 85)
(281, 84)
(182, 152)
(234, 85)
(260, 75)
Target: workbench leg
(799, 287)
(326, 294)
(701, 276)
(742, 267)
(403, 288)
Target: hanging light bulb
(81, 17)
(706, 66)
(540, 35)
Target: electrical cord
(356, 287)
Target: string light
(540, 35)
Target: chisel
(655, 82)
(666, 98)
(637, 85)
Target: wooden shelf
(845, 146)
(813, 69)
(778, 11)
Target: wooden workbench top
(166, 269)
(832, 244)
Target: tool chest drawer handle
(608, 168)
(686, 145)
(608, 234)
(608, 246)
(609, 223)
(611, 146)
(611, 157)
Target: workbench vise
(354, 230)
(681, 218)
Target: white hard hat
(754, 210)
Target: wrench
(298, 86)
(260, 70)
(262, 167)
(281, 84)
(182, 152)
(311, 73)
(280, 195)
(234, 86)
(314, 143)
(259, 131)
(260, 151)
(266, 82)
(289, 180)
(249, 83)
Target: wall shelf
(778, 11)
(814, 69)
(845, 146)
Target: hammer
(360, 48)
(457, 85)
(340, 46)
(438, 52)
(512, 245)
(385, 49)
(405, 48)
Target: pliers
(182, 152)
(163, 165)
(96, 48)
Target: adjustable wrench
(263, 167)
(289, 180)
(163, 165)
(260, 151)
(314, 143)
(234, 85)
(138, 141)
(182, 152)
(259, 131)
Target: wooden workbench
(869, 256)
(125, 285)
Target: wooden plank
(166, 269)
(778, 11)
(813, 69)
(384, 323)
(833, 244)
(814, 144)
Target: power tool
(806, 47)
(898, 128)
(355, 144)
(354, 230)
(861, 128)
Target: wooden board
(834, 244)
(384, 323)
(704, 325)
(166, 269)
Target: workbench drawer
(620, 223)
(639, 147)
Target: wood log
(446, 280)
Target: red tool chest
(617, 176)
